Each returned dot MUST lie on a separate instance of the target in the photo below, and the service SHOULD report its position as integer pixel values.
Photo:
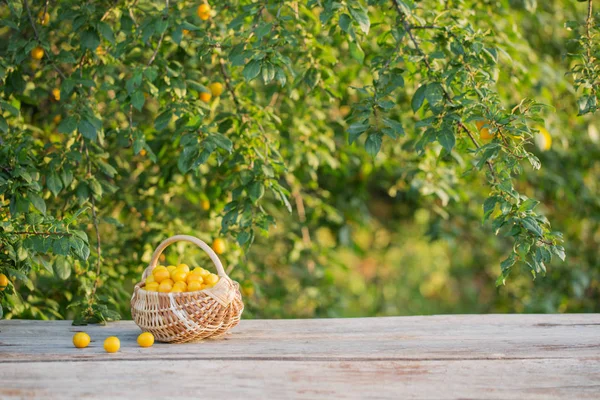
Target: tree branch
(37, 37)
(588, 28)
(98, 248)
(162, 36)
(95, 222)
(39, 233)
(408, 29)
(227, 80)
(472, 137)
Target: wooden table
(445, 357)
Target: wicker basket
(188, 316)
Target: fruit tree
(310, 142)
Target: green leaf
(80, 234)
(106, 31)
(284, 199)
(373, 144)
(138, 100)
(280, 76)
(268, 72)
(488, 206)
(251, 70)
(162, 121)
(357, 52)
(107, 168)
(345, 22)
(361, 16)
(62, 269)
(87, 129)
(90, 40)
(528, 205)
(221, 141)
(14, 111)
(54, 183)
(67, 125)
(95, 186)
(312, 77)
(508, 262)
(355, 130)
(396, 126)
(3, 124)
(434, 94)
(243, 237)
(16, 7)
(37, 201)
(532, 226)
(559, 251)
(256, 191)
(187, 158)
(446, 138)
(79, 247)
(418, 98)
(61, 246)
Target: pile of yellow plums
(178, 279)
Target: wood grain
(454, 356)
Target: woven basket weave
(188, 316)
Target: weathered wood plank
(229, 379)
(456, 337)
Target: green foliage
(585, 51)
(340, 121)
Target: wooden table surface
(434, 357)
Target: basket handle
(184, 238)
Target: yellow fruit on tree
(218, 246)
(100, 51)
(57, 118)
(44, 18)
(181, 285)
(165, 287)
(184, 267)
(186, 32)
(543, 140)
(484, 133)
(248, 290)
(151, 287)
(203, 11)
(211, 280)
(112, 344)
(216, 88)
(3, 282)
(194, 286)
(160, 274)
(145, 339)
(37, 53)
(205, 205)
(56, 94)
(345, 110)
(205, 97)
(81, 340)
